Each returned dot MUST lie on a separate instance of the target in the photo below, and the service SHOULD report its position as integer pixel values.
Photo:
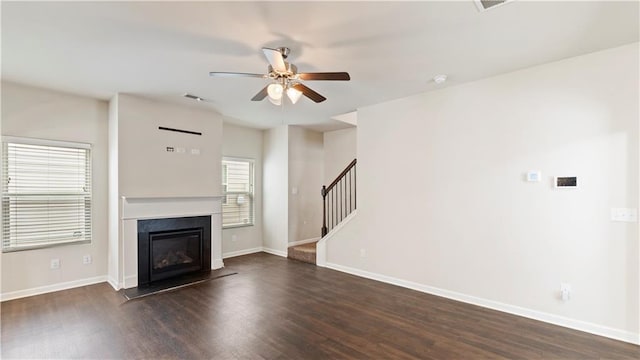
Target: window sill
(44, 246)
(236, 226)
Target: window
(46, 193)
(237, 191)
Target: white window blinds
(237, 189)
(46, 193)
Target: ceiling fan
(285, 78)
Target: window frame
(251, 193)
(5, 196)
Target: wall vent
(190, 96)
(195, 97)
(489, 4)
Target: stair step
(305, 253)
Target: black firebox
(173, 247)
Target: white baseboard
(51, 288)
(591, 328)
(114, 283)
(302, 242)
(231, 254)
(217, 264)
(274, 252)
(130, 281)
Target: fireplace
(173, 247)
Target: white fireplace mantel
(143, 208)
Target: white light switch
(624, 214)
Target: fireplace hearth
(173, 247)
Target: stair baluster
(341, 201)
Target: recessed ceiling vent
(489, 4)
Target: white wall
(274, 194)
(243, 142)
(115, 255)
(46, 114)
(147, 169)
(306, 171)
(340, 148)
(451, 165)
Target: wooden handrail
(342, 174)
(341, 203)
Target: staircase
(338, 201)
(305, 252)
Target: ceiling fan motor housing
(285, 51)
(292, 70)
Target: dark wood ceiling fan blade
(235, 74)
(341, 76)
(275, 59)
(309, 93)
(261, 94)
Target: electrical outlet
(86, 259)
(363, 253)
(234, 237)
(55, 264)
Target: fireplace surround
(172, 247)
(124, 257)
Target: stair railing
(339, 198)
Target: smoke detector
(489, 4)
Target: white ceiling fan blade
(275, 59)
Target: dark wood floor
(276, 308)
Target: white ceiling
(391, 49)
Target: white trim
(114, 283)
(45, 142)
(134, 208)
(591, 328)
(168, 216)
(274, 252)
(231, 254)
(52, 288)
(238, 158)
(216, 264)
(321, 246)
(302, 242)
(130, 281)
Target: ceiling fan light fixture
(275, 91)
(276, 102)
(284, 77)
(294, 94)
